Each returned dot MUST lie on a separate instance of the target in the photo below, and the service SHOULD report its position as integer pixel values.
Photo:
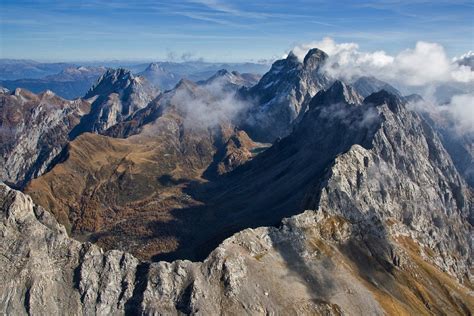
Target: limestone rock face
(458, 143)
(34, 129)
(406, 185)
(38, 259)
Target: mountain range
(71, 81)
(293, 193)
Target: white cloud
(458, 114)
(426, 63)
(327, 44)
(469, 54)
(461, 109)
(424, 69)
(209, 105)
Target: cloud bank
(426, 63)
(459, 112)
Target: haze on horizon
(219, 30)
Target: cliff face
(34, 128)
(387, 229)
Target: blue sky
(221, 30)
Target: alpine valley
(179, 188)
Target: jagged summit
(338, 92)
(384, 97)
(116, 95)
(154, 67)
(111, 80)
(283, 94)
(292, 58)
(159, 76)
(230, 81)
(314, 56)
(185, 84)
(223, 76)
(223, 72)
(367, 85)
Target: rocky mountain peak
(185, 84)
(112, 80)
(223, 72)
(159, 76)
(314, 58)
(283, 94)
(383, 97)
(24, 94)
(292, 58)
(367, 85)
(17, 92)
(47, 94)
(116, 95)
(230, 81)
(339, 92)
(154, 67)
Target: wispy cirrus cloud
(244, 29)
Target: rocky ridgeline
(388, 230)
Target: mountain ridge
(383, 260)
(356, 205)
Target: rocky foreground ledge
(314, 263)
